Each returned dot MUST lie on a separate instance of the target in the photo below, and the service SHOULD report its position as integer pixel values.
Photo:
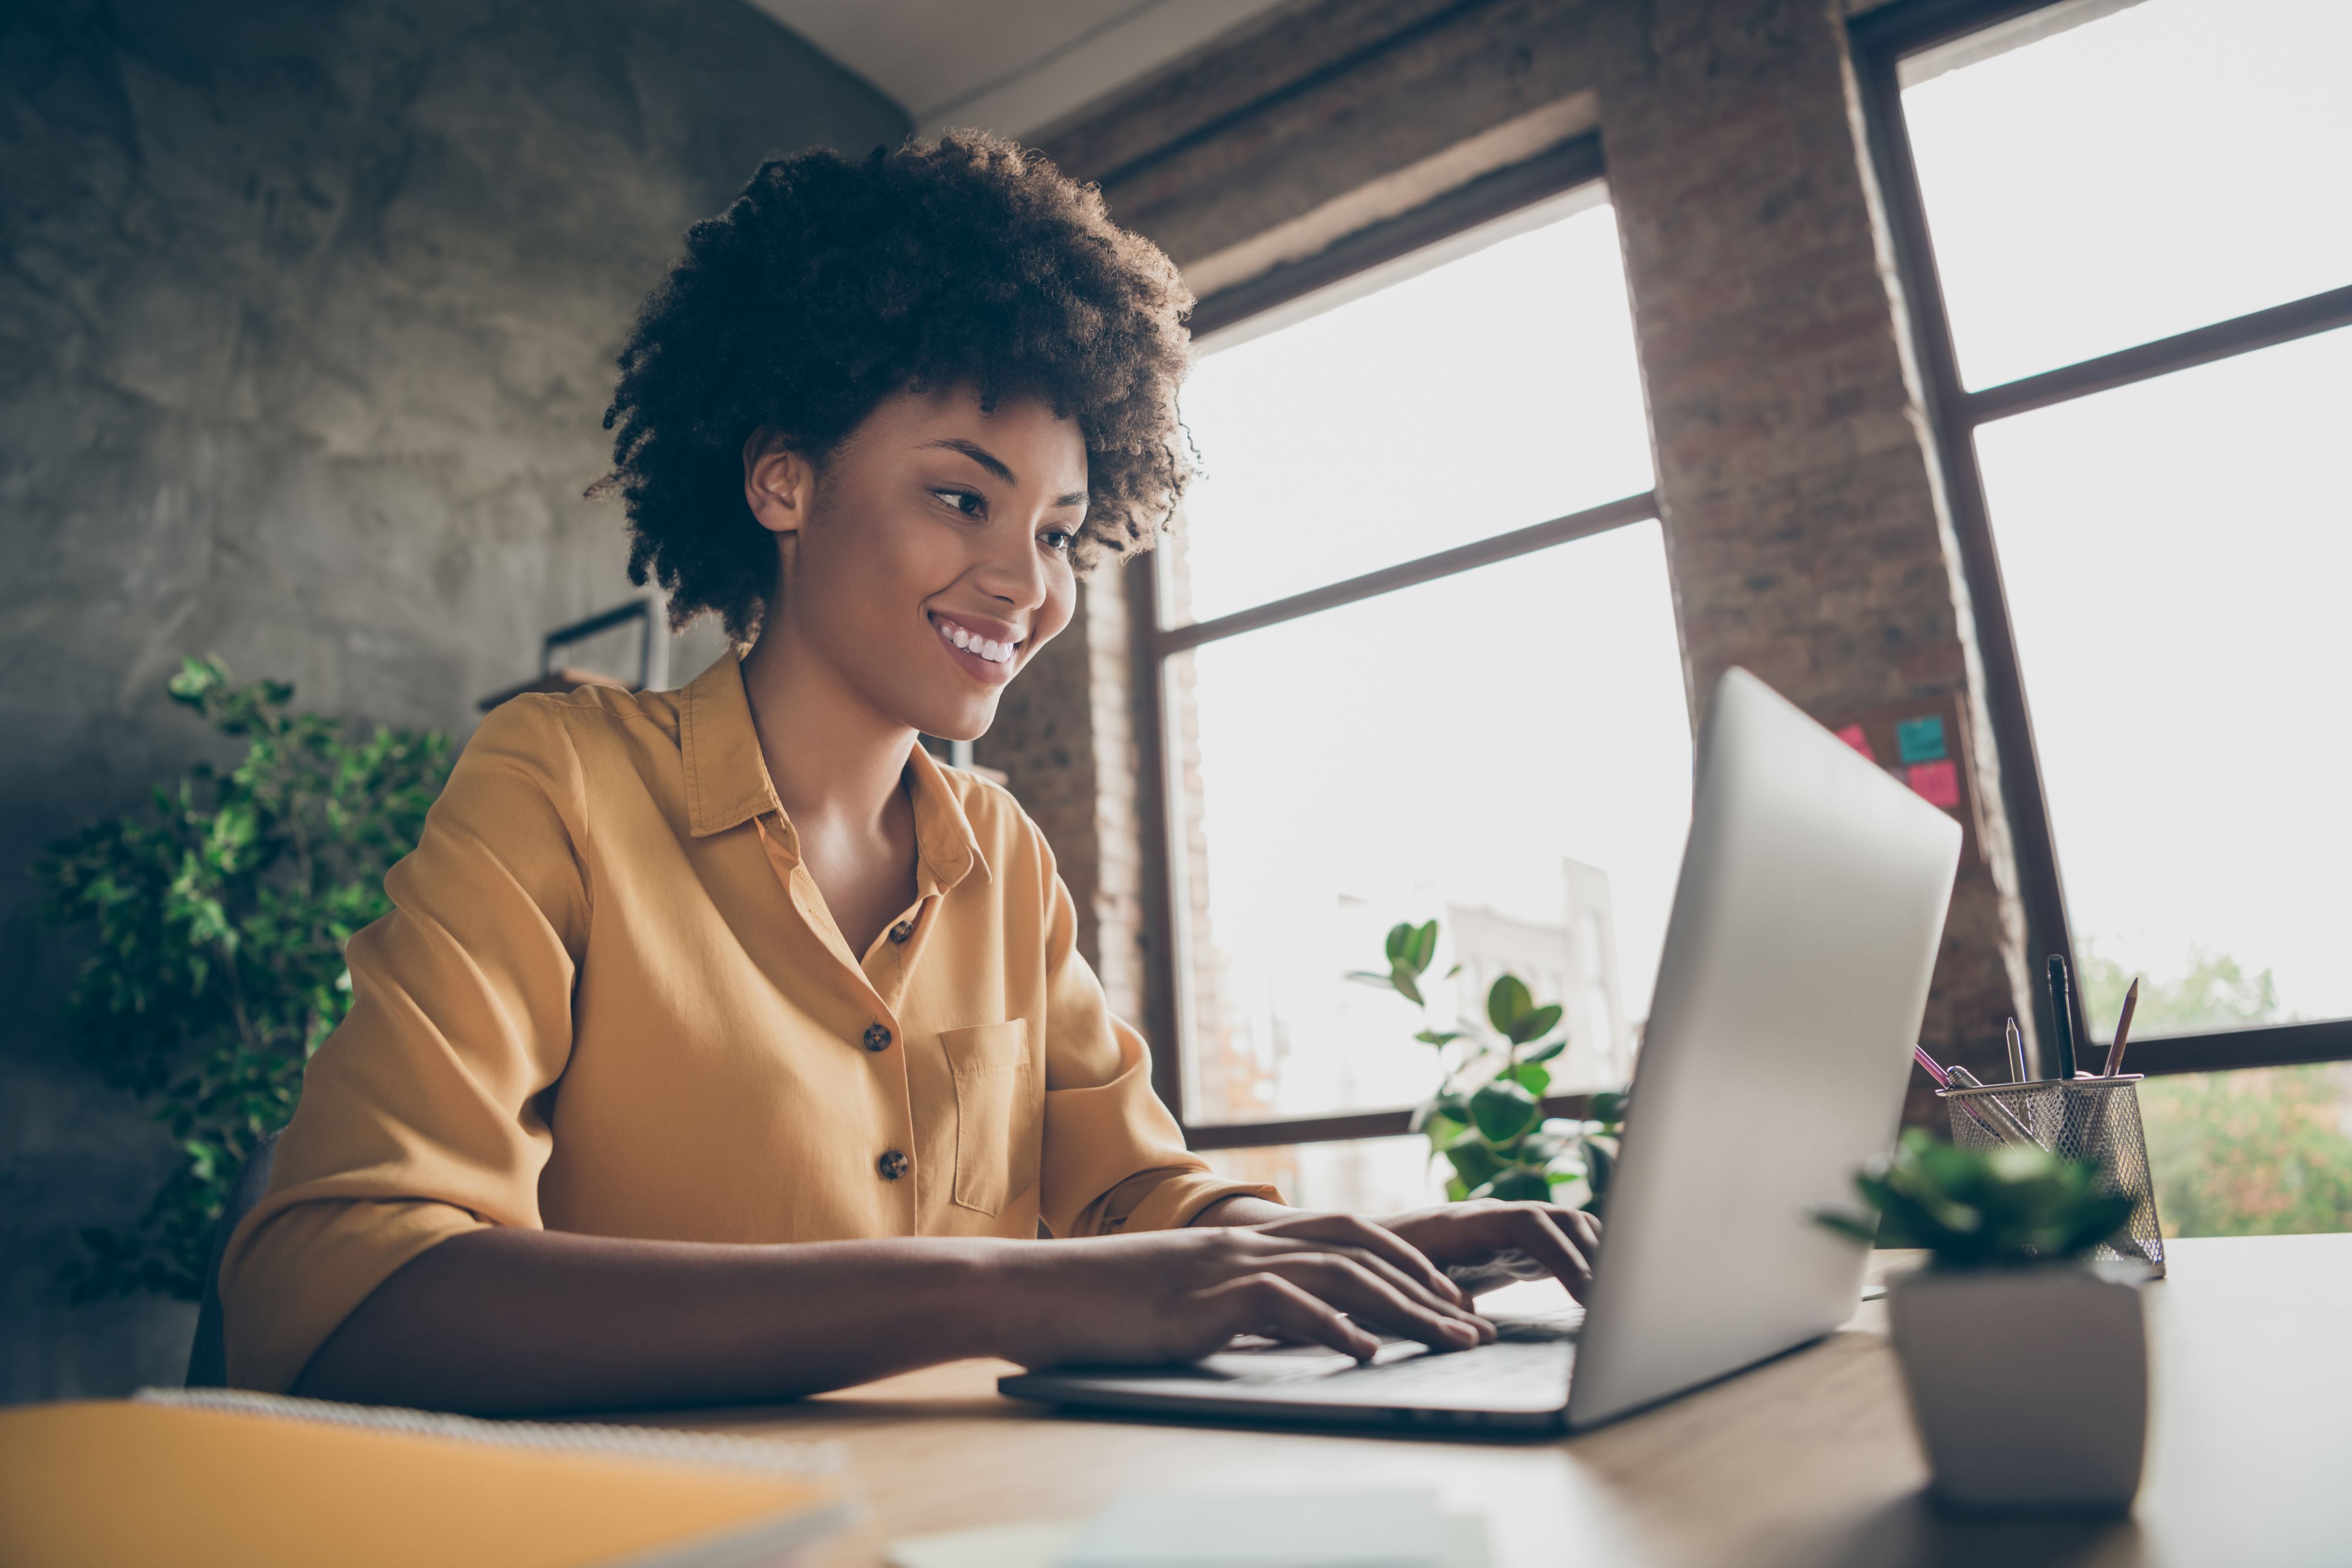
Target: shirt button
(900, 932)
(892, 1165)
(877, 1037)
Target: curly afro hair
(832, 283)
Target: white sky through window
(1444, 746)
(1495, 391)
(2175, 553)
(2175, 163)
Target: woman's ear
(779, 483)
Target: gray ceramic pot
(2029, 1386)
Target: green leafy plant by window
(1981, 1208)
(216, 921)
(1487, 1118)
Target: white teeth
(988, 648)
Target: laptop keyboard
(1501, 1374)
(1549, 1328)
(1525, 1374)
(1528, 1366)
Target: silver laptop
(1792, 986)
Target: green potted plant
(212, 926)
(1485, 1119)
(2026, 1365)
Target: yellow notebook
(199, 1477)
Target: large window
(1417, 659)
(2125, 236)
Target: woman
(721, 1044)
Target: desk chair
(208, 1357)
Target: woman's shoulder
(565, 739)
(558, 720)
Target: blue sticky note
(1920, 739)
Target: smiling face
(929, 560)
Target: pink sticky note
(1852, 735)
(1938, 783)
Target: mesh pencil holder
(2094, 1119)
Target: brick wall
(1805, 529)
(1804, 523)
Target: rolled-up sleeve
(421, 1117)
(1114, 1159)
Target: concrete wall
(1799, 486)
(307, 319)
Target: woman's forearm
(504, 1320)
(1242, 1209)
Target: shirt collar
(727, 781)
(944, 840)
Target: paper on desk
(988, 1546)
(1330, 1529)
(1388, 1529)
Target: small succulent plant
(1981, 1208)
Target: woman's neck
(832, 758)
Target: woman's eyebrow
(994, 465)
(977, 453)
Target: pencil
(2016, 1039)
(2122, 1030)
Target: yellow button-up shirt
(610, 1000)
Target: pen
(1961, 1078)
(2122, 1030)
(2016, 1039)
(2016, 1130)
(2061, 1019)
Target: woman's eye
(1057, 540)
(970, 503)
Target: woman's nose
(1012, 572)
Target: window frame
(1572, 166)
(1881, 40)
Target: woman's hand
(1178, 1295)
(1562, 1240)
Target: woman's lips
(985, 658)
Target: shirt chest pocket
(997, 1114)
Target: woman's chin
(966, 720)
